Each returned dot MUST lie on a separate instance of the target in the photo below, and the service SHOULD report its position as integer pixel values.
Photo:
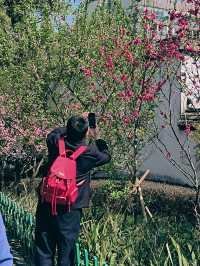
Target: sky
(75, 4)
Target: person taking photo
(58, 225)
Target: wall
(160, 167)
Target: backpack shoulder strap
(78, 152)
(61, 146)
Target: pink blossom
(129, 56)
(102, 99)
(2, 111)
(152, 16)
(148, 97)
(124, 77)
(160, 84)
(93, 62)
(195, 11)
(130, 135)
(187, 129)
(178, 14)
(172, 50)
(155, 36)
(149, 46)
(181, 34)
(168, 155)
(129, 93)
(126, 95)
(2, 98)
(147, 27)
(38, 131)
(117, 42)
(183, 23)
(153, 53)
(160, 25)
(109, 63)
(147, 64)
(174, 14)
(137, 41)
(126, 120)
(102, 51)
(135, 114)
(115, 78)
(146, 10)
(87, 72)
(188, 47)
(179, 56)
(127, 45)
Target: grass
(124, 242)
(170, 238)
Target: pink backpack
(60, 186)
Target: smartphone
(92, 120)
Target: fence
(21, 224)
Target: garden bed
(173, 216)
(171, 191)
(161, 198)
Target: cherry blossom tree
(181, 72)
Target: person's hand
(93, 133)
(85, 115)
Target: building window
(190, 79)
(190, 95)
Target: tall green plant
(45, 77)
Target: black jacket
(95, 155)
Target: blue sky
(74, 4)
